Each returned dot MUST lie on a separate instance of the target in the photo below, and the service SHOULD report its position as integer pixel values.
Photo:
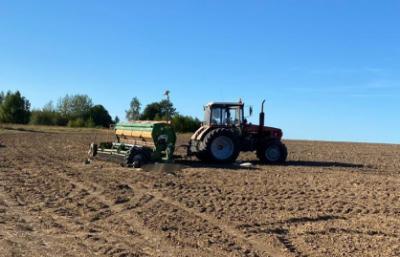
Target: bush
(90, 123)
(49, 118)
(43, 117)
(76, 123)
(60, 120)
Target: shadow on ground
(323, 164)
(181, 164)
(199, 164)
(237, 166)
(184, 164)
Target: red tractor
(225, 133)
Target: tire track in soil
(273, 244)
(261, 246)
(142, 238)
(69, 225)
(257, 244)
(286, 238)
(90, 234)
(19, 223)
(78, 187)
(120, 211)
(148, 237)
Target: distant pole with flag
(166, 93)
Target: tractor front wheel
(272, 152)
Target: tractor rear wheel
(272, 152)
(220, 146)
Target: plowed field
(330, 199)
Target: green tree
(49, 107)
(167, 109)
(116, 120)
(1, 96)
(74, 106)
(159, 111)
(134, 109)
(14, 108)
(99, 116)
(151, 111)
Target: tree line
(79, 111)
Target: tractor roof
(225, 104)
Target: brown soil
(330, 199)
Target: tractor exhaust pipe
(262, 115)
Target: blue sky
(328, 69)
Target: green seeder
(138, 143)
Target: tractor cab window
(216, 117)
(225, 116)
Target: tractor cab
(223, 114)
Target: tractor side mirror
(250, 111)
